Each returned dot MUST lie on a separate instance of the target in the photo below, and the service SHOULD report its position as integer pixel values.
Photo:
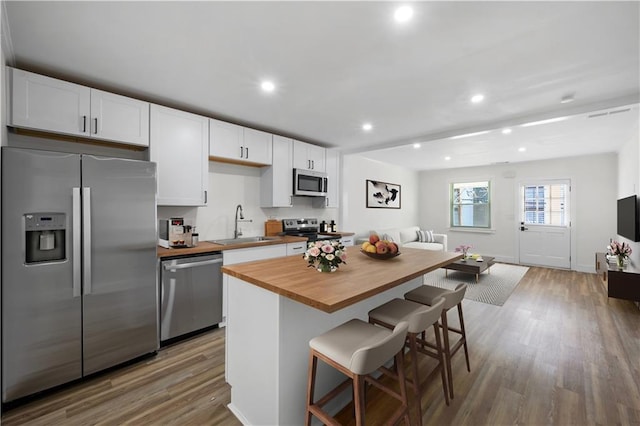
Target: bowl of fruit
(379, 249)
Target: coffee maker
(173, 233)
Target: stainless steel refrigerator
(79, 289)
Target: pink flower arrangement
(619, 249)
(325, 255)
(464, 248)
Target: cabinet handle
(84, 124)
(246, 153)
(326, 202)
(291, 200)
(241, 152)
(95, 129)
(205, 197)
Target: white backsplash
(230, 185)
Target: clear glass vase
(620, 261)
(326, 268)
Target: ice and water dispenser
(45, 237)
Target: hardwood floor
(558, 352)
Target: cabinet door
(257, 146)
(48, 104)
(276, 181)
(316, 155)
(333, 176)
(300, 157)
(296, 248)
(119, 118)
(225, 140)
(308, 156)
(179, 146)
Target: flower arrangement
(325, 255)
(464, 248)
(620, 250)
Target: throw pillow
(426, 236)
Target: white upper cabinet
(333, 178)
(276, 181)
(118, 118)
(237, 144)
(48, 104)
(308, 156)
(180, 147)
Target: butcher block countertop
(207, 247)
(360, 278)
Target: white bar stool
(357, 349)
(426, 295)
(420, 318)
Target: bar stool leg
(359, 401)
(436, 330)
(415, 384)
(403, 385)
(447, 352)
(311, 384)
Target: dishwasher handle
(167, 267)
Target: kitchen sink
(244, 240)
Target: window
(471, 205)
(545, 204)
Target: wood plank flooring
(559, 352)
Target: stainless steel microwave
(309, 183)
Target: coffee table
(471, 266)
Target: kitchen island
(276, 306)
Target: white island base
(267, 351)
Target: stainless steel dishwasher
(191, 295)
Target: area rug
(494, 288)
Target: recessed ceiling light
(403, 14)
(522, 149)
(550, 120)
(447, 158)
(506, 131)
(416, 145)
(566, 99)
(476, 99)
(367, 127)
(268, 86)
(466, 135)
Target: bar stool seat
(427, 295)
(357, 349)
(420, 318)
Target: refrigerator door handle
(86, 239)
(76, 229)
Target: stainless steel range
(306, 227)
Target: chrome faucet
(237, 233)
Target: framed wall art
(382, 195)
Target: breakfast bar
(275, 306)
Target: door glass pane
(545, 204)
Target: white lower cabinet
(180, 147)
(296, 248)
(347, 241)
(231, 257)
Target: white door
(257, 146)
(545, 224)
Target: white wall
(353, 211)
(629, 183)
(593, 204)
(230, 185)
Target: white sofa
(408, 237)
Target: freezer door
(120, 292)
(41, 318)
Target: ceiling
(337, 65)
